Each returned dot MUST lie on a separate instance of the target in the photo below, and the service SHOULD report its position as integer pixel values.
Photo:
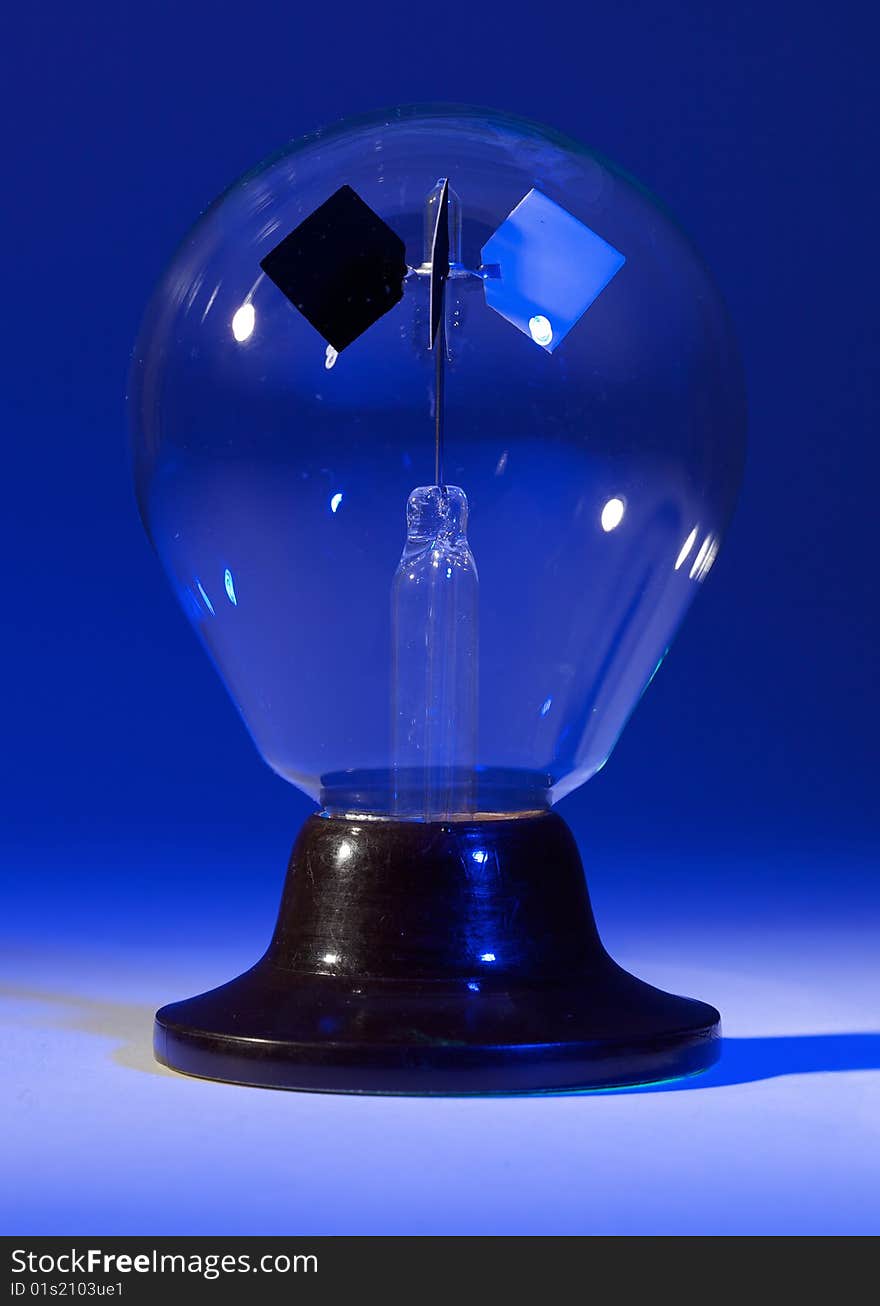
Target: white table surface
(783, 1137)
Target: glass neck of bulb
(436, 514)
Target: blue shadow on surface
(746, 1060)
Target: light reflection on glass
(708, 559)
(229, 586)
(686, 548)
(244, 320)
(335, 501)
(208, 603)
(698, 570)
(210, 302)
(612, 514)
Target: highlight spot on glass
(330, 357)
(208, 604)
(335, 501)
(229, 586)
(612, 514)
(705, 558)
(244, 320)
(707, 565)
(546, 706)
(480, 855)
(686, 548)
(487, 956)
(698, 570)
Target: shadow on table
(747, 1060)
(130, 1026)
(743, 1060)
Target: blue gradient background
(731, 843)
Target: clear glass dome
(594, 436)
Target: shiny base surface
(437, 958)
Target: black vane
(343, 268)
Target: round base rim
(438, 1066)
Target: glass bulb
(593, 416)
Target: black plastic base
(445, 958)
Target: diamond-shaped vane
(343, 267)
(550, 268)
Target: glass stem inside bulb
(435, 629)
